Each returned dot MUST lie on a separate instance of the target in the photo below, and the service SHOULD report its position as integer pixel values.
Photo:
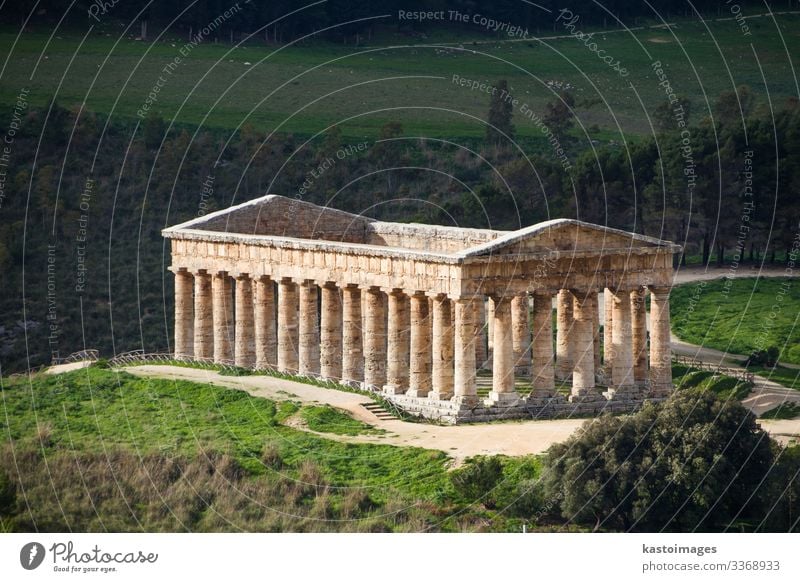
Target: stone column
(490, 327)
(184, 315)
(503, 391)
(481, 347)
(598, 362)
(288, 359)
(244, 344)
(375, 340)
(660, 348)
(543, 372)
(309, 330)
(420, 376)
(608, 341)
(352, 348)
(639, 331)
(442, 350)
(521, 333)
(564, 358)
(331, 333)
(203, 317)
(465, 386)
(266, 332)
(397, 343)
(223, 317)
(583, 344)
(622, 363)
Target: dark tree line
(268, 20)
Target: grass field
(304, 89)
(725, 387)
(95, 449)
(739, 316)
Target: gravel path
(512, 438)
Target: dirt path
(462, 441)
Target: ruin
(416, 311)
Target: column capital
(286, 280)
(242, 275)
(660, 292)
(327, 284)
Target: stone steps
(378, 411)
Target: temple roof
(281, 220)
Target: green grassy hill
(739, 316)
(303, 89)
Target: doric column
(420, 376)
(521, 334)
(375, 340)
(503, 365)
(608, 342)
(543, 372)
(583, 344)
(397, 343)
(223, 318)
(331, 333)
(639, 331)
(465, 386)
(481, 347)
(288, 360)
(622, 363)
(660, 348)
(203, 317)
(490, 327)
(184, 315)
(265, 332)
(564, 359)
(442, 350)
(244, 344)
(309, 330)
(352, 348)
(598, 361)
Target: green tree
(559, 116)
(500, 129)
(690, 463)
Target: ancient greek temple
(424, 313)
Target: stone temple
(423, 314)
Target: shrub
(477, 479)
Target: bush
(768, 357)
(477, 479)
(690, 463)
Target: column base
(622, 393)
(502, 399)
(417, 393)
(470, 401)
(440, 396)
(585, 395)
(393, 389)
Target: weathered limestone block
(288, 332)
(265, 324)
(244, 346)
(639, 339)
(352, 348)
(622, 357)
(465, 376)
(503, 391)
(543, 373)
(223, 318)
(309, 351)
(374, 340)
(420, 378)
(521, 331)
(564, 322)
(481, 346)
(398, 343)
(203, 317)
(583, 345)
(442, 350)
(331, 333)
(184, 315)
(660, 348)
